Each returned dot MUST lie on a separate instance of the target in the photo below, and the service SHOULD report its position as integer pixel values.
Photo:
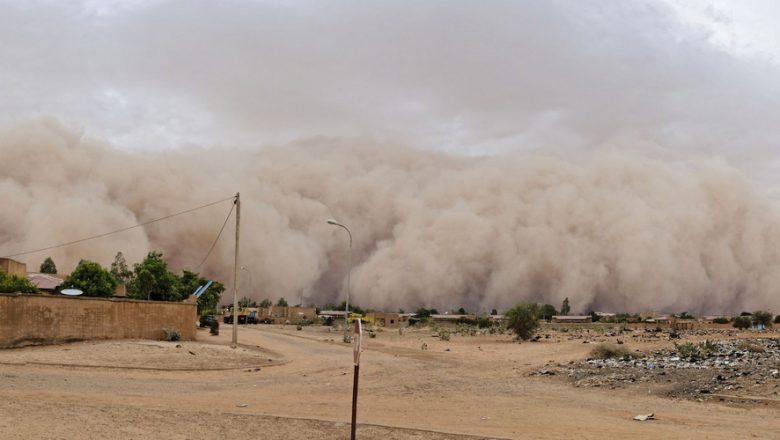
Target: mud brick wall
(48, 319)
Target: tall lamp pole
(349, 279)
(236, 273)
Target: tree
(266, 303)
(244, 302)
(14, 283)
(762, 317)
(208, 299)
(547, 312)
(282, 302)
(119, 270)
(48, 266)
(92, 279)
(565, 309)
(494, 312)
(461, 311)
(742, 322)
(153, 280)
(777, 319)
(523, 319)
(354, 308)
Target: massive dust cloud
(610, 231)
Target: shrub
(751, 347)
(777, 319)
(742, 322)
(763, 317)
(172, 334)
(688, 350)
(13, 284)
(444, 334)
(611, 351)
(523, 319)
(721, 320)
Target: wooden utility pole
(236, 273)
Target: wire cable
(218, 235)
(105, 234)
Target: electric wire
(218, 235)
(105, 234)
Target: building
(452, 318)
(571, 319)
(47, 283)
(285, 314)
(13, 267)
(392, 320)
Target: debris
(178, 345)
(644, 417)
(242, 405)
(191, 352)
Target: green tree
(92, 279)
(523, 319)
(266, 303)
(777, 319)
(48, 266)
(209, 299)
(245, 302)
(494, 312)
(14, 284)
(742, 322)
(119, 270)
(565, 309)
(282, 302)
(763, 317)
(461, 311)
(153, 281)
(548, 311)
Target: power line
(81, 240)
(218, 235)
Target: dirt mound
(141, 354)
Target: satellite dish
(71, 292)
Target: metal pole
(354, 400)
(349, 280)
(236, 273)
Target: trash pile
(700, 371)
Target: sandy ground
(468, 387)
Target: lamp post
(349, 279)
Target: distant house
(571, 319)
(451, 318)
(47, 283)
(392, 320)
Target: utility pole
(236, 273)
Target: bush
(13, 284)
(172, 334)
(751, 347)
(742, 322)
(763, 317)
(722, 320)
(523, 319)
(444, 334)
(611, 351)
(777, 319)
(688, 350)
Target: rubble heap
(738, 367)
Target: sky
(623, 153)
(467, 77)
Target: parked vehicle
(207, 320)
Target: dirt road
(477, 386)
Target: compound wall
(48, 319)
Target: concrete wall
(46, 319)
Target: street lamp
(349, 276)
